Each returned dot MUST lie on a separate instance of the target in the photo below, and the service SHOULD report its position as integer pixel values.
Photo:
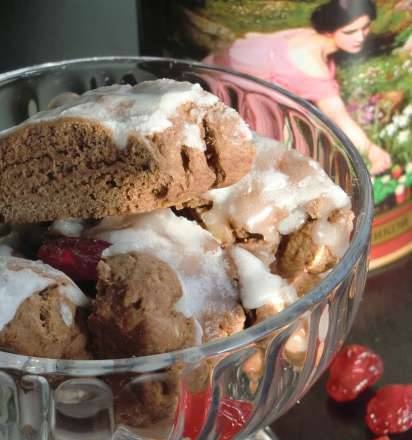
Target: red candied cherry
(354, 369)
(231, 417)
(390, 410)
(76, 257)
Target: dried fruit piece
(354, 369)
(390, 410)
(76, 257)
(196, 406)
(231, 417)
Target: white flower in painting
(390, 129)
(408, 167)
(407, 111)
(400, 189)
(401, 121)
(403, 136)
(402, 179)
(386, 178)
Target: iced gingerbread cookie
(121, 149)
(134, 311)
(178, 262)
(40, 311)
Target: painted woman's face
(351, 37)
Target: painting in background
(374, 82)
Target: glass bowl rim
(193, 355)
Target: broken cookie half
(121, 149)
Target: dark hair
(338, 13)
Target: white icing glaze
(192, 137)
(272, 198)
(66, 314)
(240, 130)
(70, 227)
(145, 108)
(20, 279)
(191, 251)
(258, 286)
(62, 99)
(292, 222)
(333, 235)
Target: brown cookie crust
(38, 328)
(134, 311)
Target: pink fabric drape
(267, 56)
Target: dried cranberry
(195, 408)
(76, 257)
(390, 410)
(354, 369)
(231, 417)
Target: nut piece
(299, 253)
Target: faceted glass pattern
(153, 397)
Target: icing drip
(258, 286)
(191, 251)
(272, 198)
(146, 108)
(20, 279)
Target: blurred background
(37, 31)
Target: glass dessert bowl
(230, 387)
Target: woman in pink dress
(300, 61)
